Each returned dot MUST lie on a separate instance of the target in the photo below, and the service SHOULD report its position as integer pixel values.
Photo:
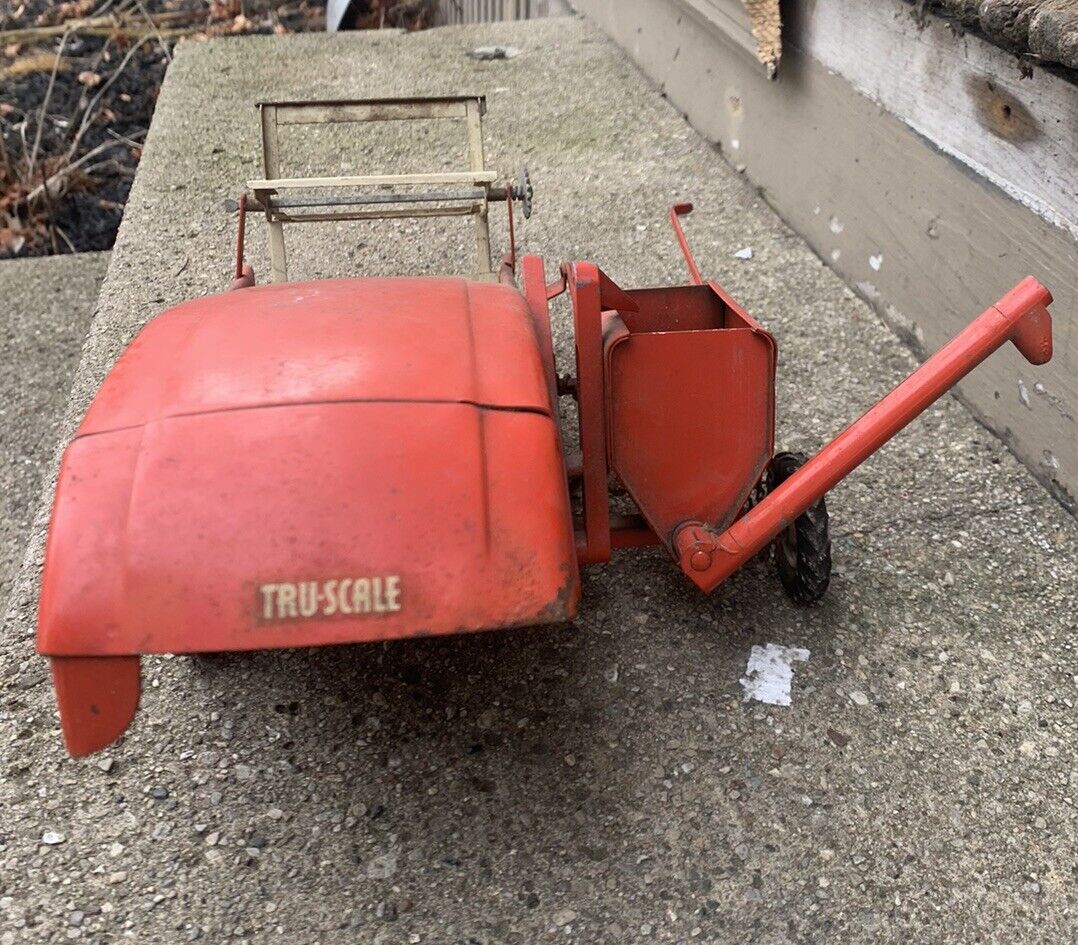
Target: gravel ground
(601, 782)
(48, 307)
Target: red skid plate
(97, 696)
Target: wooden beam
(1016, 128)
(389, 111)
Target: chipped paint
(769, 673)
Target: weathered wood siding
(452, 12)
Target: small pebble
(840, 740)
(563, 917)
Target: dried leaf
(62, 12)
(12, 50)
(220, 10)
(89, 79)
(12, 240)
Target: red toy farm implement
(362, 459)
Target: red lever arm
(681, 210)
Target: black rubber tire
(803, 551)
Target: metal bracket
(463, 193)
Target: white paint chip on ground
(770, 672)
(494, 52)
(745, 253)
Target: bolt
(700, 560)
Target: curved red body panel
(405, 339)
(313, 463)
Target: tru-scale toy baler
(349, 460)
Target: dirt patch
(79, 83)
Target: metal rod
(240, 234)
(398, 213)
(494, 193)
(680, 210)
(360, 199)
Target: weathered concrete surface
(601, 782)
(47, 307)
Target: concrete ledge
(47, 308)
(602, 782)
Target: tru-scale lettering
(299, 599)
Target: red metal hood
(313, 463)
(414, 339)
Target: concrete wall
(929, 168)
